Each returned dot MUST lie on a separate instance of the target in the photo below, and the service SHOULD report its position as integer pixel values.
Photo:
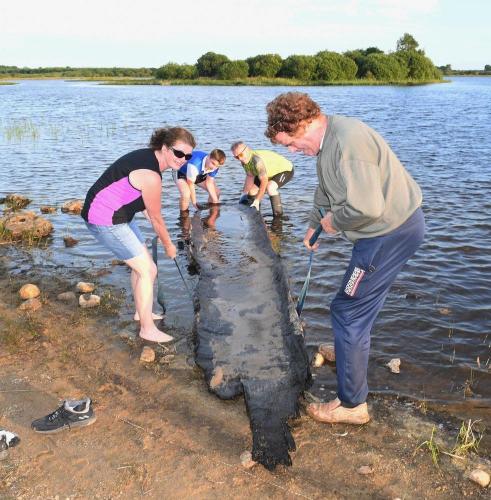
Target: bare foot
(136, 317)
(155, 335)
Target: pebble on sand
(29, 291)
(31, 305)
(365, 470)
(84, 287)
(87, 300)
(480, 477)
(318, 360)
(166, 359)
(394, 365)
(147, 355)
(327, 350)
(67, 296)
(246, 460)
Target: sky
(150, 33)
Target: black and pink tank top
(112, 199)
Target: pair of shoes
(334, 413)
(72, 413)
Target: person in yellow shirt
(266, 171)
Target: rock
(480, 477)
(29, 291)
(118, 262)
(327, 350)
(69, 241)
(48, 210)
(87, 300)
(17, 201)
(444, 311)
(67, 297)
(246, 460)
(147, 355)
(394, 365)
(31, 305)
(85, 287)
(365, 470)
(165, 360)
(26, 224)
(318, 360)
(72, 207)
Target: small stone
(67, 296)
(327, 350)
(72, 207)
(480, 477)
(31, 305)
(48, 210)
(17, 201)
(147, 355)
(87, 300)
(318, 360)
(394, 365)
(69, 241)
(444, 311)
(84, 287)
(29, 291)
(246, 460)
(118, 262)
(365, 470)
(167, 359)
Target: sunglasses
(181, 154)
(237, 156)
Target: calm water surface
(57, 137)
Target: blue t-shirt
(196, 166)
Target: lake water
(57, 137)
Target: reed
(19, 131)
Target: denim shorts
(124, 240)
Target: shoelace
(58, 412)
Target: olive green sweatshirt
(361, 181)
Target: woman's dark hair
(218, 155)
(169, 136)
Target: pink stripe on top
(110, 200)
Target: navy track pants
(373, 268)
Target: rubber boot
(276, 205)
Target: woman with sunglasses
(132, 184)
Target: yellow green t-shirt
(274, 163)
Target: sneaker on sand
(70, 414)
(334, 413)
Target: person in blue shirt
(201, 171)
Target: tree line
(407, 62)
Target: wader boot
(276, 205)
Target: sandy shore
(160, 434)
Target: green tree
(384, 67)
(209, 64)
(419, 67)
(298, 66)
(331, 67)
(168, 71)
(487, 67)
(232, 70)
(266, 65)
(406, 42)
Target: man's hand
(306, 240)
(326, 222)
(170, 250)
(255, 204)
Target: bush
(297, 66)
(209, 64)
(233, 69)
(266, 65)
(419, 67)
(168, 71)
(331, 66)
(384, 67)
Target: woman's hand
(170, 250)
